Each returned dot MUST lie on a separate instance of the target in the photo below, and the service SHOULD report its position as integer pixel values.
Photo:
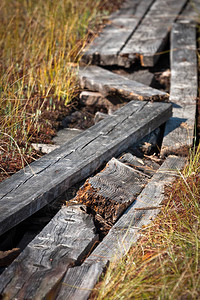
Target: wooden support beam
(179, 131)
(105, 48)
(151, 36)
(40, 267)
(108, 83)
(38, 184)
(79, 281)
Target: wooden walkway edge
(180, 128)
(79, 281)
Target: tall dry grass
(40, 43)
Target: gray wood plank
(190, 13)
(78, 282)
(150, 37)
(107, 83)
(77, 159)
(179, 129)
(105, 48)
(111, 191)
(39, 268)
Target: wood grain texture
(108, 83)
(179, 129)
(37, 270)
(76, 160)
(151, 36)
(111, 191)
(78, 282)
(105, 48)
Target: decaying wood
(39, 268)
(96, 99)
(146, 166)
(44, 180)
(78, 282)
(151, 36)
(183, 92)
(6, 257)
(111, 191)
(121, 25)
(108, 83)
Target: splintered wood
(111, 191)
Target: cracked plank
(151, 36)
(108, 83)
(77, 159)
(121, 25)
(79, 281)
(39, 268)
(179, 130)
(111, 191)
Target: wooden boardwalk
(141, 31)
(66, 259)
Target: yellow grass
(40, 44)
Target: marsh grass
(40, 46)
(165, 262)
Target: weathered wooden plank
(105, 48)
(39, 268)
(107, 83)
(190, 13)
(77, 159)
(150, 37)
(179, 129)
(111, 191)
(146, 166)
(78, 282)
